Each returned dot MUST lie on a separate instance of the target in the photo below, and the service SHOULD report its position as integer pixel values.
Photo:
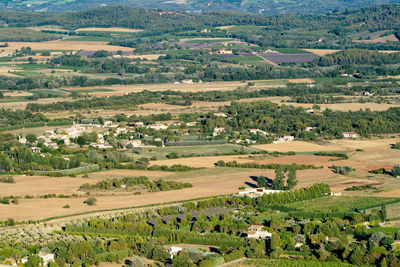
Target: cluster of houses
(45, 259)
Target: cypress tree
(279, 182)
(292, 179)
(261, 181)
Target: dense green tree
(261, 182)
(279, 181)
(292, 179)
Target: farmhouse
(187, 81)
(256, 232)
(35, 149)
(174, 251)
(256, 131)
(284, 139)
(220, 114)
(257, 192)
(157, 126)
(133, 143)
(218, 131)
(350, 135)
(46, 257)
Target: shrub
(7, 180)
(90, 201)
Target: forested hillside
(253, 6)
(374, 18)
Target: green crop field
(341, 203)
(89, 39)
(204, 150)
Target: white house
(187, 81)
(173, 251)
(255, 231)
(157, 126)
(139, 124)
(191, 124)
(47, 258)
(350, 135)
(133, 143)
(218, 131)
(256, 131)
(369, 94)
(220, 114)
(35, 149)
(101, 146)
(258, 192)
(284, 139)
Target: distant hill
(252, 6)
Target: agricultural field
(141, 137)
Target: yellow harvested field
(127, 173)
(321, 52)
(4, 70)
(210, 181)
(16, 93)
(366, 144)
(337, 182)
(111, 29)
(195, 87)
(332, 145)
(209, 162)
(340, 106)
(304, 80)
(227, 27)
(39, 208)
(298, 146)
(389, 51)
(203, 186)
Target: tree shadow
(251, 184)
(269, 181)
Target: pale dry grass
(340, 106)
(202, 187)
(195, 87)
(62, 45)
(384, 39)
(48, 27)
(35, 130)
(16, 93)
(209, 162)
(22, 105)
(389, 51)
(227, 27)
(322, 52)
(206, 182)
(111, 29)
(148, 56)
(303, 80)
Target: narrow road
(232, 262)
(266, 60)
